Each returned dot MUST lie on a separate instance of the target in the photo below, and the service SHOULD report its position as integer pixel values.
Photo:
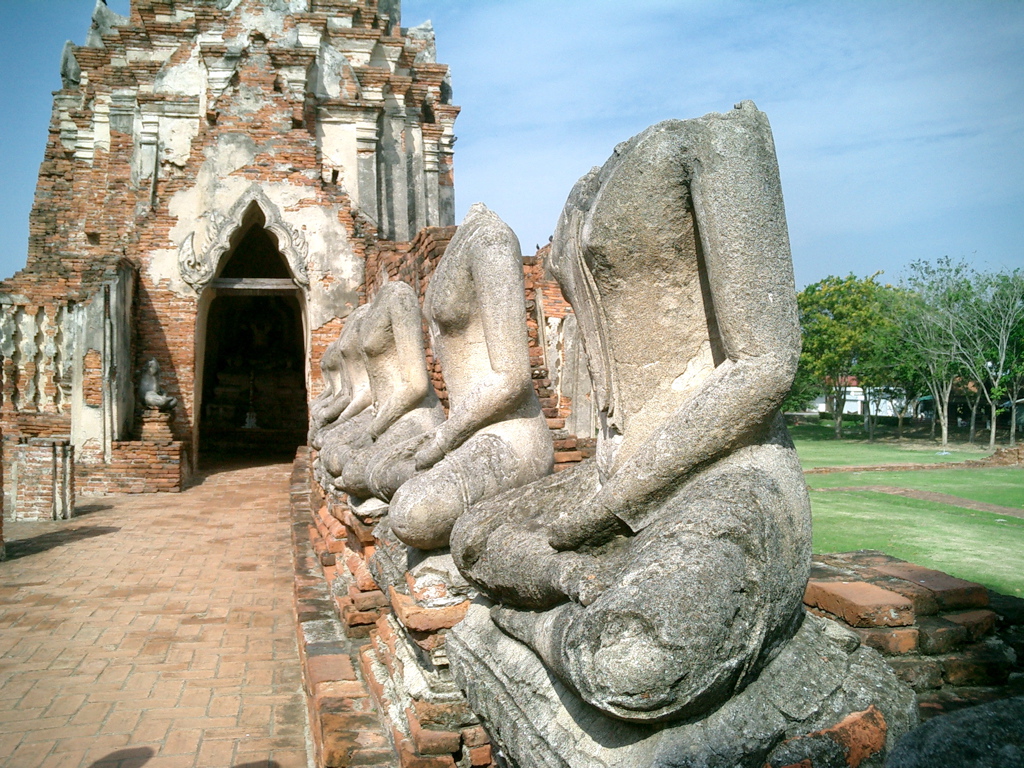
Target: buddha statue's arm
(359, 387)
(407, 329)
(751, 298)
(336, 396)
(497, 279)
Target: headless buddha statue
(659, 578)
(496, 437)
(151, 395)
(336, 395)
(405, 405)
(337, 438)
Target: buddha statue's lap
(405, 405)
(336, 439)
(496, 436)
(661, 576)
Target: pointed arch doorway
(251, 351)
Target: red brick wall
(136, 467)
(44, 482)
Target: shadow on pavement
(24, 547)
(139, 756)
(211, 465)
(88, 509)
(125, 758)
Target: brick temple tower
(217, 174)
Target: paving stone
(164, 631)
(977, 623)
(860, 604)
(951, 592)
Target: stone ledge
(860, 604)
(345, 725)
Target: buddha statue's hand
(578, 577)
(591, 523)
(430, 452)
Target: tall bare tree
(984, 328)
(936, 296)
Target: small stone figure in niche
(347, 431)
(151, 395)
(405, 405)
(660, 577)
(496, 437)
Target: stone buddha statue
(405, 405)
(495, 437)
(657, 579)
(334, 398)
(151, 395)
(337, 438)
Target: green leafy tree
(839, 316)
(805, 390)
(1015, 378)
(887, 372)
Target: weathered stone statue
(405, 405)
(336, 395)
(337, 439)
(495, 437)
(658, 580)
(151, 395)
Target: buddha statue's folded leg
(501, 543)
(392, 448)
(705, 597)
(394, 467)
(424, 510)
(342, 441)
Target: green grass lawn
(995, 485)
(817, 447)
(979, 546)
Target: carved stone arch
(198, 269)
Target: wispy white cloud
(899, 126)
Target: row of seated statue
(658, 578)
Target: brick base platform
(361, 708)
(137, 466)
(954, 642)
(345, 726)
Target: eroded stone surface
(495, 437)
(812, 685)
(405, 406)
(658, 579)
(986, 736)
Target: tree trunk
(992, 432)
(899, 423)
(837, 413)
(1013, 420)
(942, 409)
(974, 418)
(870, 418)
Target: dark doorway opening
(254, 376)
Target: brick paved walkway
(155, 631)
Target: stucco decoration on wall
(197, 270)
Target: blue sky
(899, 126)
